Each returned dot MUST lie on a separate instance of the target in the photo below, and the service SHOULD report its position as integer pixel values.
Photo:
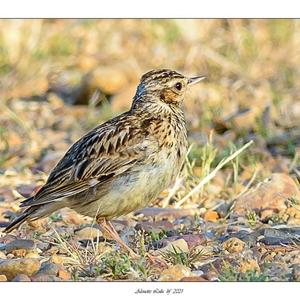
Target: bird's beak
(194, 80)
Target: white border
(126, 290)
(150, 9)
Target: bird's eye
(178, 86)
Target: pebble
(175, 273)
(18, 252)
(234, 245)
(21, 278)
(88, 233)
(154, 226)
(32, 254)
(211, 216)
(247, 237)
(64, 275)
(26, 190)
(2, 255)
(205, 250)
(48, 268)
(270, 195)
(211, 276)
(193, 279)
(43, 246)
(44, 278)
(60, 260)
(293, 221)
(110, 80)
(11, 268)
(99, 278)
(71, 217)
(249, 265)
(19, 245)
(194, 240)
(296, 272)
(274, 236)
(178, 245)
(160, 212)
(266, 214)
(3, 278)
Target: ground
(233, 213)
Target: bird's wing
(105, 152)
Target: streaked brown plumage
(122, 164)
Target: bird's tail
(33, 213)
(19, 220)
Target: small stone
(19, 252)
(211, 276)
(198, 273)
(48, 162)
(178, 245)
(249, 265)
(11, 268)
(154, 226)
(296, 272)
(274, 236)
(26, 190)
(246, 236)
(268, 195)
(293, 221)
(99, 278)
(32, 254)
(160, 212)
(48, 268)
(41, 246)
(44, 278)
(205, 250)
(56, 259)
(6, 239)
(60, 260)
(234, 245)
(21, 278)
(194, 240)
(3, 278)
(244, 119)
(88, 233)
(71, 217)
(193, 279)
(2, 255)
(110, 80)
(64, 275)
(266, 214)
(39, 225)
(19, 245)
(293, 212)
(211, 216)
(175, 273)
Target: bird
(121, 165)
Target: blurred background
(60, 78)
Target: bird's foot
(109, 229)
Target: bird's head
(163, 86)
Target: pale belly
(134, 190)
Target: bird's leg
(111, 231)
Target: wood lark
(124, 163)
